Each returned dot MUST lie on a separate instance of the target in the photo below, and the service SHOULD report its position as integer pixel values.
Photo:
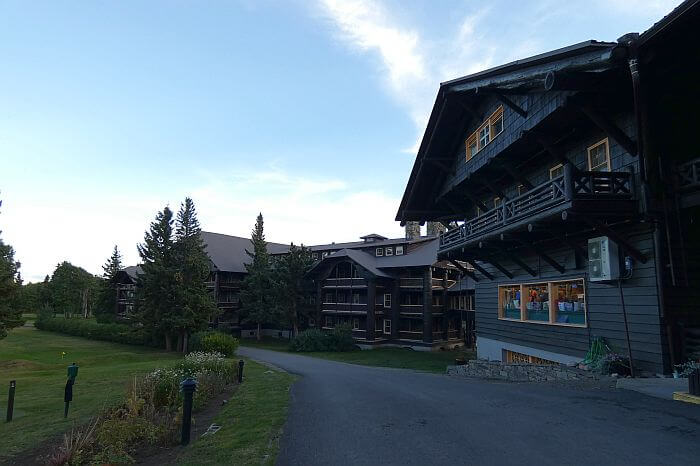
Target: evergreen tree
(195, 304)
(10, 313)
(158, 284)
(72, 290)
(107, 295)
(256, 298)
(291, 287)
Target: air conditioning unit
(603, 260)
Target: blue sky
(309, 111)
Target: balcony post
(371, 306)
(568, 181)
(428, 305)
(395, 309)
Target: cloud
(296, 208)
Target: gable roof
(228, 253)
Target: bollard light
(240, 370)
(188, 387)
(11, 400)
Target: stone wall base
(495, 370)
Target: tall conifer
(256, 295)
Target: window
(312, 322)
(329, 321)
(324, 255)
(509, 302)
(555, 303)
(555, 171)
(387, 327)
(569, 302)
(599, 157)
(471, 146)
(480, 138)
(389, 252)
(387, 300)
(379, 252)
(497, 201)
(314, 256)
(521, 358)
(484, 136)
(356, 298)
(356, 324)
(329, 298)
(399, 250)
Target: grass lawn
(251, 422)
(33, 359)
(401, 358)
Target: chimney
(435, 228)
(412, 230)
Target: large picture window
(556, 303)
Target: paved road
(346, 414)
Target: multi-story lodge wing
(540, 163)
(394, 291)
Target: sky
(309, 111)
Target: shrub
(339, 339)
(214, 342)
(117, 333)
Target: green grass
(33, 359)
(400, 358)
(251, 422)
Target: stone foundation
(495, 370)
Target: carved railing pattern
(571, 185)
(689, 175)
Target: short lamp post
(68, 394)
(241, 363)
(11, 400)
(188, 386)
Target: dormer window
(379, 252)
(389, 252)
(399, 250)
(488, 130)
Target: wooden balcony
(344, 283)
(411, 308)
(592, 193)
(411, 283)
(413, 336)
(345, 308)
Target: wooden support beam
(503, 270)
(493, 189)
(481, 270)
(443, 167)
(509, 103)
(609, 128)
(464, 270)
(583, 252)
(556, 265)
(517, 176)
(549, 147)
(522, 264)
(607, 231)
(475, 200)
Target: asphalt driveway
(347, 414)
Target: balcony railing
(411, 283)
(344, 282)
(689, 175)
(404, 335)
(412, 308)
(572, 185)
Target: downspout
(630, 41)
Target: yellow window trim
(556, 167)
(607, 153)
(474, 137)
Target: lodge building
(574, 180)
(394, 291)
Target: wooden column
(445, 308)
(395, 308)
(371, 306)
(428, 305)
(319, 303)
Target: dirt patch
(159, 455)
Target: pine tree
(107, 293)
(256, 299)
(72, 290)
(10, 280)
(195, 305)
(158, 283)
(291, 286)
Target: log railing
(571, 185)
(411, 283)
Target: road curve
(348, 414)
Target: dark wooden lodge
(394, 291)
(537, 164)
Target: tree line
(172, 300)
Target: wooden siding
(604, 309)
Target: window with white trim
(555, 171)
(387, 300)
(399, 250)
(379, 252)
(356, 324)
(387, 326)
(389, 252)
(356, 298)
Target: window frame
(387, 299)
(475, 138)
(552, 311)
(379, 252)
(386, 323)
(607, 155)
(399, 248)
(355, 323)
(314, 256)
(556, 167)
(389, 251)
(328, 322)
